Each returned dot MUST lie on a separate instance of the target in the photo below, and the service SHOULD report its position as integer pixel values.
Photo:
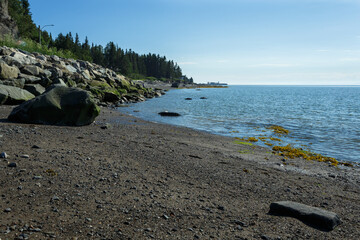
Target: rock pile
(24, 75)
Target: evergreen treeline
(127, 62)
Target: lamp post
(40, 29)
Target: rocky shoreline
(125, 178)
(24, 75)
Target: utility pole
(40, 29)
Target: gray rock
(19, 82)
(55, 58)
(3, 96)
(35, 89)
(5, 51)
(31, 70)
(41, 57)
(8, 72)
(58, 106)
(12, 164)
(313, 216)
(14, 95)
(7, 210)
(3, 155)
(23, 58)
(47, 73)
(59, 82)
(56, 72)
(169, 114)
(30, 79)
(11, 61)
(71, 68)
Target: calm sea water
(326, 119)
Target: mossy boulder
(99, 84)
(58, 106)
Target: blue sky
(268, 42)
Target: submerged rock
(169, 114)
(58, 106)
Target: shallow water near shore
(323, 119)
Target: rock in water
(313, 216)
(58, 106)
(169, 114)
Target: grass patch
(31, 46)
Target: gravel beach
(125, 178)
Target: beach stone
(14, 95)
(7, 210)
(31, 70)
(19, 82)
(35, 89)
(59, 82)
(30, 79)
(313, 216)
(23, 58)
(3, 155)
(7, 72)
(169, 114)
(188, 98)
(58, 106)
(12, 164)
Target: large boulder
(7, 72)
(58, 106)
(14, 95)
(312, 216)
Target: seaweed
(279, 130)
(291, 152)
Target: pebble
(3, 155)
(7, 210)
(55, 198)
(35, 146)
(37, 177)
(12, 164)
(22, 236)
(25, 156)
(222, 208)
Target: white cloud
(187, 63)
(275, 65)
